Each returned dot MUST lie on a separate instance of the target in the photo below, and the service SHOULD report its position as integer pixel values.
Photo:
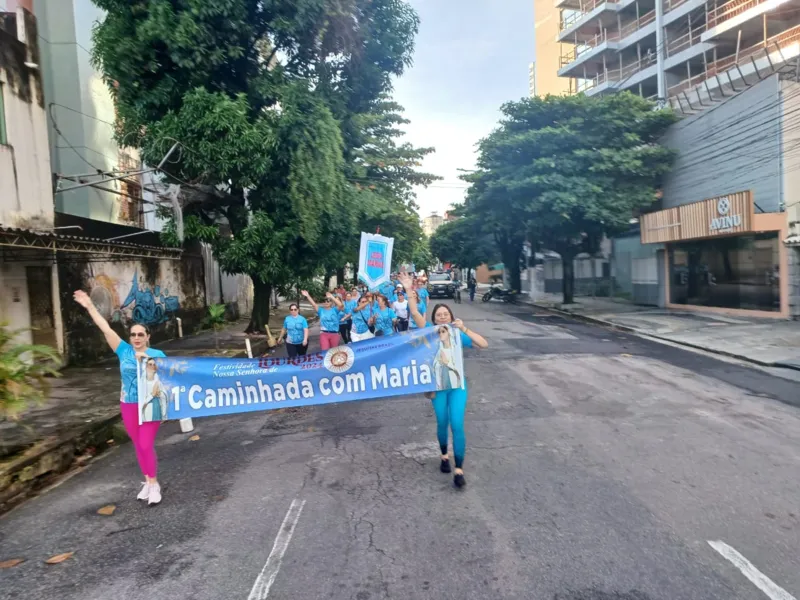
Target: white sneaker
(145, 493)
(154, 496)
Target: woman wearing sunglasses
(330, 314)
(295, 331)
(143, 436)
(362, 314)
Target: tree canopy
(563, 171)
(283, 114)
(463, 242)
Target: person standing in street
(450, 405)
(330, 313)
(130, 353)
(362, 314)
(472, 285)
(422, 307)
(346, 322)
(295, 331)
(400, 308)
(384, 318)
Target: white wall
(26, 198)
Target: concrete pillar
(660, 76)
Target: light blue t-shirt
(294, 326)
(129, 394)
(383, 321)
(349, 305)
(329, 319)
(423, 294)
(361, 321)
(422, 307)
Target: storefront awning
(31, 244)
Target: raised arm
(112, 339)
(476, 338)
(311, 300)
(336, 300)
(413, 309)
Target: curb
(40, 465)
(659, 338)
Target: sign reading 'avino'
(723, 215)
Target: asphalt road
(599, 467)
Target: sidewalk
(766, 342)
(81, 416)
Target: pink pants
(328, 340)
(143, 437)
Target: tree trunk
(511, 253)
(568, 278)
(262, 294)
(340, 276)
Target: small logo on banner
(340, 359)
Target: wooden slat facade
(694, 221)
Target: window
(3, 135)
(728, 272)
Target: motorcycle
(507, 296)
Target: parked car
(441, 284)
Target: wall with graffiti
(151, 292)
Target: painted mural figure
(150, 306)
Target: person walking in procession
(330, 314)
(130, 353)
(400, 308)
(346, 322)
(422, 307)
(384, 318)
(295, 332)
(362, 314)
(450, 405)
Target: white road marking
(761, 581)
(267, 576)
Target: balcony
(672, 4)
(720, 14)
(614, 78)
(763, 55)
(685, 41)
(596, 14)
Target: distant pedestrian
(143, 436)
(472, 285)
(295, 332)
(346, 322)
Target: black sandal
(445, 466)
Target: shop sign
(725, 221)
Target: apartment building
(431, 223)
(690, 53)
(544, 77)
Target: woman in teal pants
(450, 405)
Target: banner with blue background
(375, 259)
(413, 362)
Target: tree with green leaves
(567, 170)
(264, 98)
(463, 242)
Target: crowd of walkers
(357, 314)
(349, 316)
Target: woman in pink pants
(330, 314)
(143, 436)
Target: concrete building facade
(690, 53)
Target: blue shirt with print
(329, 319)
(129, 394)
(361, 321)
(383, 321)
(294, 326)
(349, 306)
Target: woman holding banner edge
(295, 332)
(143, 436)
(450, 406)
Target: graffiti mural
(142, 304)
(150, 307)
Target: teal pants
(450, 407)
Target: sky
(471, 56)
